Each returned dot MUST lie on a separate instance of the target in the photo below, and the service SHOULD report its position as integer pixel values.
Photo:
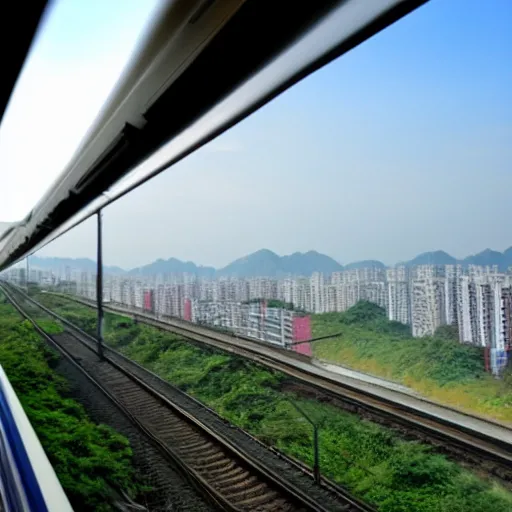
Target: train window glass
(343, 226)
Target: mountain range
(85, 264)
(267, 263)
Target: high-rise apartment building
(318, 298)
(427, 305)
(466, 310)
(399, 301)
(475, 299)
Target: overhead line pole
(316, 452)
(99, 287)
(311, 340)
(27, 272)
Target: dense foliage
(447, 332)
(90, 460)
(439, 367)
(396, 475)
(83, 317)
(368, 315)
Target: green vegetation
(90, 460)
(447, 332)
(372, 461)
(81, 316)
(439, 367)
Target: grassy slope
(89, 459)
(372, 461)
(440, 368)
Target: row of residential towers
(476, 299)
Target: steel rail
(440, 428)
(169, 454)
(276, 480)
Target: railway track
(474, 441)
(231, 477)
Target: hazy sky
(401, 146)
(73, 65)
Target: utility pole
(99, 288)
(26, 275)
(316, 455)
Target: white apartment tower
(427, 306)
(466, 310)
(399, 301)
(317, 292)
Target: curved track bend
(231, 477)
(475, 440)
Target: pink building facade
(302, 332)
(149, 301)
(187, 310)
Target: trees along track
(230, 476)
(475, 440)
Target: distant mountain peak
(173, 266)
(489, 252)
(432, 258)
(364, 264)
(269, 264)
